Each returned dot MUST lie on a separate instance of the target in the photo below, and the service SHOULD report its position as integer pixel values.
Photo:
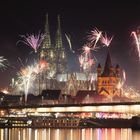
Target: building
(106, 82)
(78, 88)
(55, 55)
(56, 75)
(108, 79)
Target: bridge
(115, 107)
(118, 108)
(71, 115)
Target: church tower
(54, 56)
(108, 79)
(61, 61)
(47, 41)
(47, 51)
(47, 56)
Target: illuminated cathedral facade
(55, 56)
(56, 76)
(106, 80)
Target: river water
(69, 134)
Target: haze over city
(77, 20)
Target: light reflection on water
(69, 134)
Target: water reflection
(69, 134)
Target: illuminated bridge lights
(133, 109)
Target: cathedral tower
(47, 55)
(108, 79)
(47, 51)
(61, 62)
(47, 41)
(54, 55)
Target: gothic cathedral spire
(60, 50)
(47, 40)
(58, 44)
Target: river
(69, 134)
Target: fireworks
(134, 34)
(106, 40)
(25, 77)
(3, 62)
(81, 60)
(86, 49)
(124, 75)
(69, 42)
(94, 36)
(33, 41)
(121, 82)
(4, 90)
(91, 62)
(131, 93)
(97, 35)
(28, 75)
(85, 59)
(43, 64)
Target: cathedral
(56, 76)
(55, 55)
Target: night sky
(77, 19)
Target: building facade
(108, 79)
(54, 55)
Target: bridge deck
(127, 107)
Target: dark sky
(77, 19)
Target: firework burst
(86, 49)
(134, 34)
(106, 40)
(85, 59)
(69, 42)
(43, 64)
(124, 75)
(81, 60)
(25, 76)
(94, 36)
(3, 62)
(28, 76)
(33, 41)
(131, 93)
(122, 82)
